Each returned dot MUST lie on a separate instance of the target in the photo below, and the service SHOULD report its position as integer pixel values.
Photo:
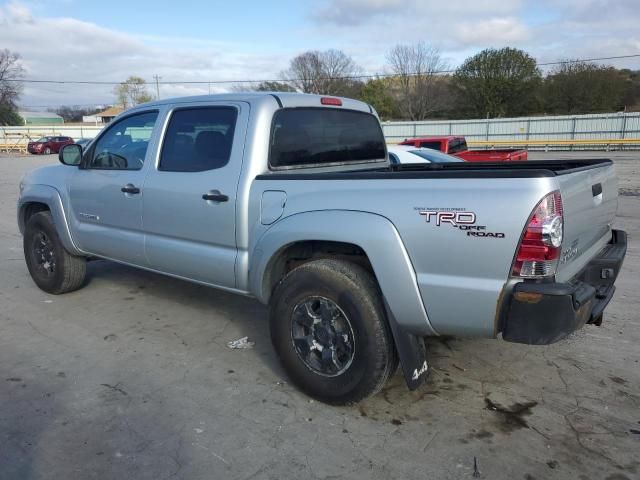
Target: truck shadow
(191, 312)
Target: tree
(265, 86)
(495, 83)
(274, 87)
(73, 113)
(631, 99)
(9, 116)
(584, 87)
(417, 69)
(133, 91)
(378, 92)
(11, 71)
(329, 72)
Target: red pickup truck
(457, 146)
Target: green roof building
(41, 118)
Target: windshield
(44, 139)
(434, 156)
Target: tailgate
(589, 201)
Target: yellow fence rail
(607, 142)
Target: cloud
(356, 12)
(65, 48)
(69, 49)
(547, 29)
(493, 31)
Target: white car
(400, 154)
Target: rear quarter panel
(460, 277)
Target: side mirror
(70, 155)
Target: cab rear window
(314, 137)
(457, 145)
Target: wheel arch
(39, 198)
(299, 252)
(368, 239)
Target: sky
(209, 40)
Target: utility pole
(157, 79)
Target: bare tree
(265, 86)
(132, 92)
(329, 72)
(417, 69)
(11, 71)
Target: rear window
(302, 137)
(457, 145)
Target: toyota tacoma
(291, 199)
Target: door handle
(130, 188)
(215, 196)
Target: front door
(106, 193)
(189, 205)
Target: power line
(345, 77)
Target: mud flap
(412, 352)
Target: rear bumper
(544, 313)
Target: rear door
(189, 207)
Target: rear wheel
(329, 329)
(52, 268)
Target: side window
(124, 145)
(198, 139)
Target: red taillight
(541, 241)
(331, 101)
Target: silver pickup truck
(292, 199)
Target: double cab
(291, 199)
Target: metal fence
(593, 132)
(558, 132)
(16, 138)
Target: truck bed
(537, 168)
(500, 196)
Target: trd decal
(458, 218)
(454, 218)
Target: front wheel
(52, 268)
(329, 328)
(47, 151)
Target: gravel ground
(130, 377)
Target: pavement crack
(115, 388)
(577, 434)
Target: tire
(365, 355)
(47, 151)
(52, 268)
